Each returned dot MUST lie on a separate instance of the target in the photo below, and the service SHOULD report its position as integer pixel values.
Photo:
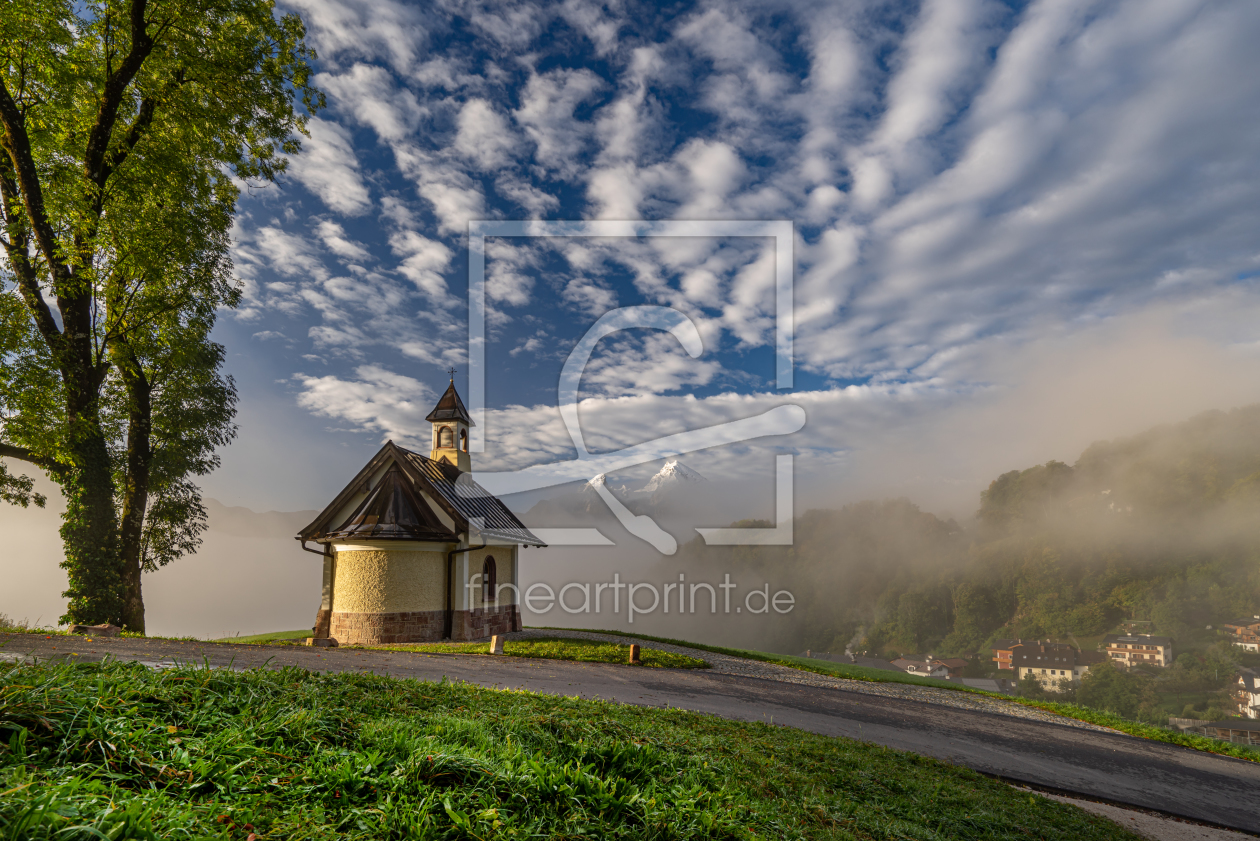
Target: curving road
(1117, 768)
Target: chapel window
(446, 438)
(489, 580)
(463, 440)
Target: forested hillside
(1162, 527)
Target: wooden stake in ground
(634, 655)
(496, 644)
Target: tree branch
(17, 248)
(94, 163)
(23, 454)
(18, 145)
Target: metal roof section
(450, 407)
(484, 511)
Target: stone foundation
(386, 628)
(483, 622)
(323, 618)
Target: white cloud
(364, 29)
(423, 262)
(546, 112)
(531, 345)
(537, 202)
(940, 57)
(592, 21)
(327, 166)
(483, 135)
(453, 195)
(378, 401)
(510, 268)
(372, 97)
(334, 238)
(589, 297)
(289, 254)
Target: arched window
(446, 438)
(463, 440)
(489, 580)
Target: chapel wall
(388, 581)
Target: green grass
(23, 626)
(274, 636)
(559, 649)
(118, 751)
(1076, 711)
(806, 664)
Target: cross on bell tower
(450, 429)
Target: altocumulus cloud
(969, 181)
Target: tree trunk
(136, 486)
(90, 533)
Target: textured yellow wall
(388, 581)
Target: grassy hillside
(120, 751)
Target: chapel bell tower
(450, 429)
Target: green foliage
(1022, 495)
(1108, 687)
(120, 751)
(124, 130)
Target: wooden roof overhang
(467, 504)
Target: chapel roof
(408, 477)
(450, 407)
(391, 510)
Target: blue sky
(1019, 227)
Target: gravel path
(728, 665)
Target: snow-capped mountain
(674, 491)
(673, 473)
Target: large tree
(125, 128)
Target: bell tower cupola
(450, 429)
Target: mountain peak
(672, 473)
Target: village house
(921, 668)
(1004, 650)
(414, 550)
(1247, 693)
(1051, 664)
(1245, 632)
(931, 667)
(1133, 649)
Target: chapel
(416, 551)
